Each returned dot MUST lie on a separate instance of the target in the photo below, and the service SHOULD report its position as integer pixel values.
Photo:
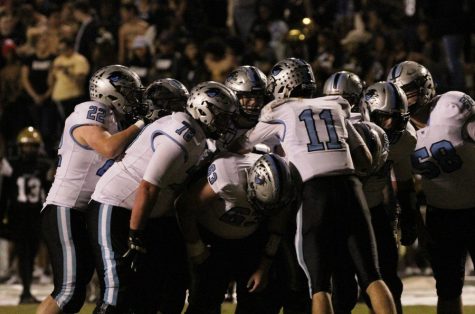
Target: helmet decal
(212, 92)
(276, 70)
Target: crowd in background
(49, 48)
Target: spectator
(324, 62)
(31, 23)
(190, 66)
(34, 79)
(218, 59)
(267, 18)
(105, 52)
(15, 112)
(131, 27)
(449, 21)
(241, 16)
(141, 59)
(87, 32)
(8, 31)
(261, 53)
(53, 31)
(67, 78)
(166, 57)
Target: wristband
(140, 124)
(195, 249)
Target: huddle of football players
(259, 181)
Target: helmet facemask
(215, 106)
(394, 124)
(222, 127)
(165, 96)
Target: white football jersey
(80, 167)
(163, 154)
(232, 217)
(445, 161)
(399, 159)
(312, 133)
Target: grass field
(229, 309)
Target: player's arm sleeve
(359, 151)
(166, 165)
(189, 207)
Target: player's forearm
(145, 199)
(188, 222)
(406, 196)
(116, 143)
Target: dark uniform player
(23, 194)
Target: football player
(325, 148)
(287, 282)
(222, 218)
(386, 105)
(249, 84)
(91, 140)
(444, 157)
(347, 85)
(160, 283)
(23, 193)
(153, 168)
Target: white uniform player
(231, 242)
(153, 168)
(73, 185)
(308, 129)
(235, 218)
(91, 140)
(153, 156)
(444, 156)
(385, 104)
(318, 139)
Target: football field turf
(229, 309)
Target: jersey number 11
(315, 144)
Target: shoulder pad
(92, 112)
(267, 110)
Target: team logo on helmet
(212, 92)
(114, 77)
(276, 70)
(371, 96)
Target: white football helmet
(345, 84)
(377, 142)
(165, 96)
(215, 106)
(249, 84)
(416, 81)
(117, 87)
(291, 77)
(271, 184)
(385, 104)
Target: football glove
(135, 254)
